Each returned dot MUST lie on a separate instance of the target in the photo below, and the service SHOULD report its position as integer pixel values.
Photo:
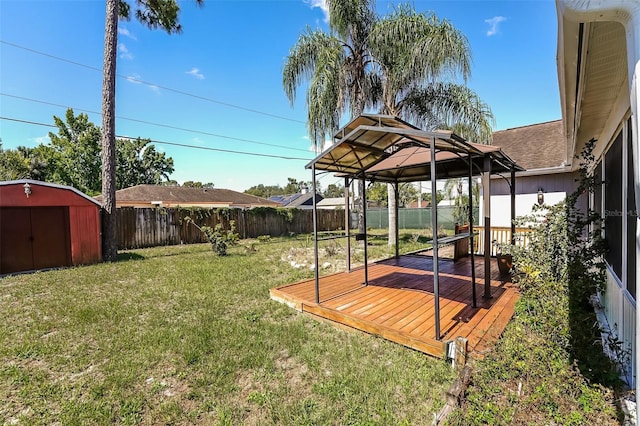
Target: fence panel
(419, 218)
(150, 227)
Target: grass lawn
(176, 335)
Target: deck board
(398, 302)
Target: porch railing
(499, 236)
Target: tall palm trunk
(109, 241)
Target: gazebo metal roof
(387, 149)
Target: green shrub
(549, 366)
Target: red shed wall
(41, 196)
(83, 231)
(84, 223)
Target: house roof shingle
(185, 195)
(537, 146)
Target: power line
(230, 151)
(154, 124)
(169, 89)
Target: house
(549, 175)
(303, 200)
(599, 76)
(179, 196)
(45, 225)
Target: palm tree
(416, 54)
(337, 67)
(154, 14)
(399, 64)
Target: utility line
(154, 124)
(169, 89)
(230, 151)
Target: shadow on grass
(125, 257)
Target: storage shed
(45, 225)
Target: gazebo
(383, 148)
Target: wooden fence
(150, 227)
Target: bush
(549, 366)
(218, 237)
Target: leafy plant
(218, 237)
(549, 367)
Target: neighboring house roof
(537, 146)
(332, 202)
(184, 196)
(295, 200)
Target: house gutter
(540, 172)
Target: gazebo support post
(364, 226)
(397, 233)
(513, 206)
(347, 227)
(315, 233)
(473, 257)
(486, 186)
(434, 227)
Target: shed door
(34, 238)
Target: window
(632, 216)
(613, 204)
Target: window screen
(631, 217)
(613, 205)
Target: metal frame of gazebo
(383, 148)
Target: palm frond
(449, 105)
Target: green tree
(265, 191)
(197, 184)
(139, 163)
(454, 190)
(405, 64)
(75, 155)
(334, 191)
(13, 164)
(154, 14)
(377, 192)
(407, 193)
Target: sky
(217, 89)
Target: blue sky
(220, 81)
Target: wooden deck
(398, 303)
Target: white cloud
(493, 24)
(325, 145)
(124, 52)
(321, 4)
(41, 139)
(196, 73)
(125, 32)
